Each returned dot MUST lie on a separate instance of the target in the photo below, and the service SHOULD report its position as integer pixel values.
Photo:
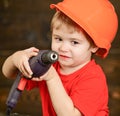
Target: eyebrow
(56, 35)
(76, 39)
(72, 38)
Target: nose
(64, 47)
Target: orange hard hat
(97, 17)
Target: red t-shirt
(87, 88)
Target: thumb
(32, 51)
(32, 54)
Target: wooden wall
(25, 23)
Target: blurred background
(25, 23)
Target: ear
(94, 49)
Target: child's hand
(49, 75)
(20, 60)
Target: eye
(58, 39)
(75, 42)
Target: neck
(71, 69)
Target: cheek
(76, 53)
(54, 46)
(80, 52)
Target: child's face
(72, 46)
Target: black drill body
(39, 66)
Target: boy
(75, 85)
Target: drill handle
(16, 90)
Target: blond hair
(63, 19)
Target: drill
(39, 66)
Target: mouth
(64, 56)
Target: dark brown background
(25, 23)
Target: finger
(23, 70)
(36, 79)
(32, 54)
(32, 50)
(27, 69)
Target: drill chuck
(42, 62)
